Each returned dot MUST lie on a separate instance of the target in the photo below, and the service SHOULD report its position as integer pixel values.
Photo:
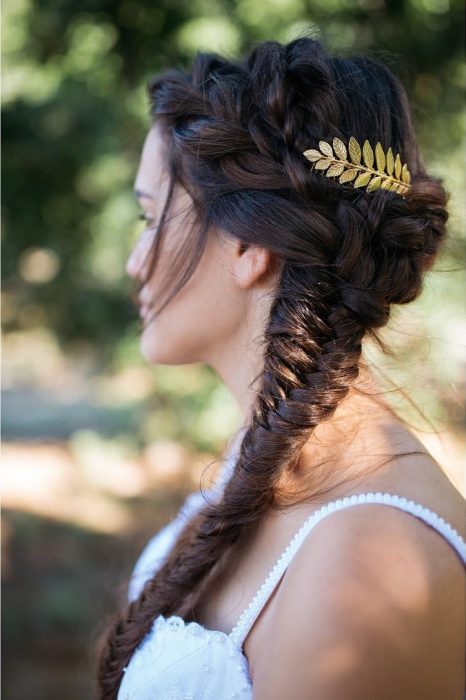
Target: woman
(274, 252)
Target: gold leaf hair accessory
(390, 174)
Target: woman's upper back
(179, 660)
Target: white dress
(180, 660)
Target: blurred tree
(75, 114)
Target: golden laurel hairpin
(390, 174)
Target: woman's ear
(253, 265)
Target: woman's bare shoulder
(372, 582)
(359, 609)
(418, 477)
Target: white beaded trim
(248, 616)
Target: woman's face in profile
(206, 313)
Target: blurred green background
(100, 449)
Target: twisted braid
(236, 132)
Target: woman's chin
(154, 349)
(163, 349)
(148, 345)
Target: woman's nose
(139, 254)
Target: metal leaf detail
(374, 184)
(326, 148)
(335, 169)
(339, 148)
(388, 173)
(312, 154)
(348, 175)
(390, 161)
(380, 157)
(323, 164)
(368, 154)
(355, 150)
(386, 184)
(362, 179)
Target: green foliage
(75, 115)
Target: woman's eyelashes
(151, 222)
(144, 217)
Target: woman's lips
(145, 313)
(143, 309)
(144, 303)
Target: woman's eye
(143, 217)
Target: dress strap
(250, 614)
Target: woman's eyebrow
(139, 194)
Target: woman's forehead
(152, 169)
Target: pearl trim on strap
(249, 615)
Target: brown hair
(235, 131)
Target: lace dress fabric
(180, 660)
